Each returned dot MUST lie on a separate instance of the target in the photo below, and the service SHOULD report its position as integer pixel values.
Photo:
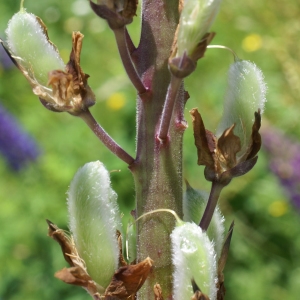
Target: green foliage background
(264, 261)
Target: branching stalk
(215, 192)
(169, 107)
(121, 38)
(131, 47)
(104, 137)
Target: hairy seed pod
(196, 18)
(245, 94)
(29, 44)
(194, 258)
(94, 220)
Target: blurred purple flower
(284, 161)
(16, 145)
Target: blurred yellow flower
(278, 208)
(116, 101)
(252, 42)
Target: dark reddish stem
(104, 137)
(169, 107)
(121, 38)
(215, 192)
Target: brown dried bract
(222, 263)
(255, 145)
(200, 296)
(130, 7)
(122, 261)
(158, 292)
(70, 88)
(227, 148)
(59, 236)
(201, 47)
(77, 274)
(220, 156)
(117, 13)
(204, 140)
(129, 279)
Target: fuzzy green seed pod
(194, 203)
(193, 257)
(246, 94)
(196, 18)
(29, 44)
(94, 220)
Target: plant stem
(157, 170)
(126, 59)
(104, 137)
(169, 107)
(215, 191)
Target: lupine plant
(174, 246)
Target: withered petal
(157, 292)
(240, 169)
(225, 249)
(77, 276)
(114, 19)
(204, 140)
(228, 146)
(130, 9)
(122, 261)
(222, 262)
(59, 236)
(129, 279)
(201, 47)
(255, 137)
(199, 296)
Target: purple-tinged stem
(104, 137)
(215, 192)
(126, 60)
(169, 107)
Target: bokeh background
(40, 151)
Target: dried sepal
(222, 263)
(204, 140)
(184, 65)
(255, 141)
(117, 13)
(200, 296)
(220, 156)
(122, 261)
(30, 48)
(227, 148)
(77, 276)
(157, 292)
(77, 273)
(200, 49)
(128, 280)
(70, 89)
(63, 240)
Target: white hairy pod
(196, 18)
(29, 44)
(245, 94)
(94, 220)
(193, 257)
